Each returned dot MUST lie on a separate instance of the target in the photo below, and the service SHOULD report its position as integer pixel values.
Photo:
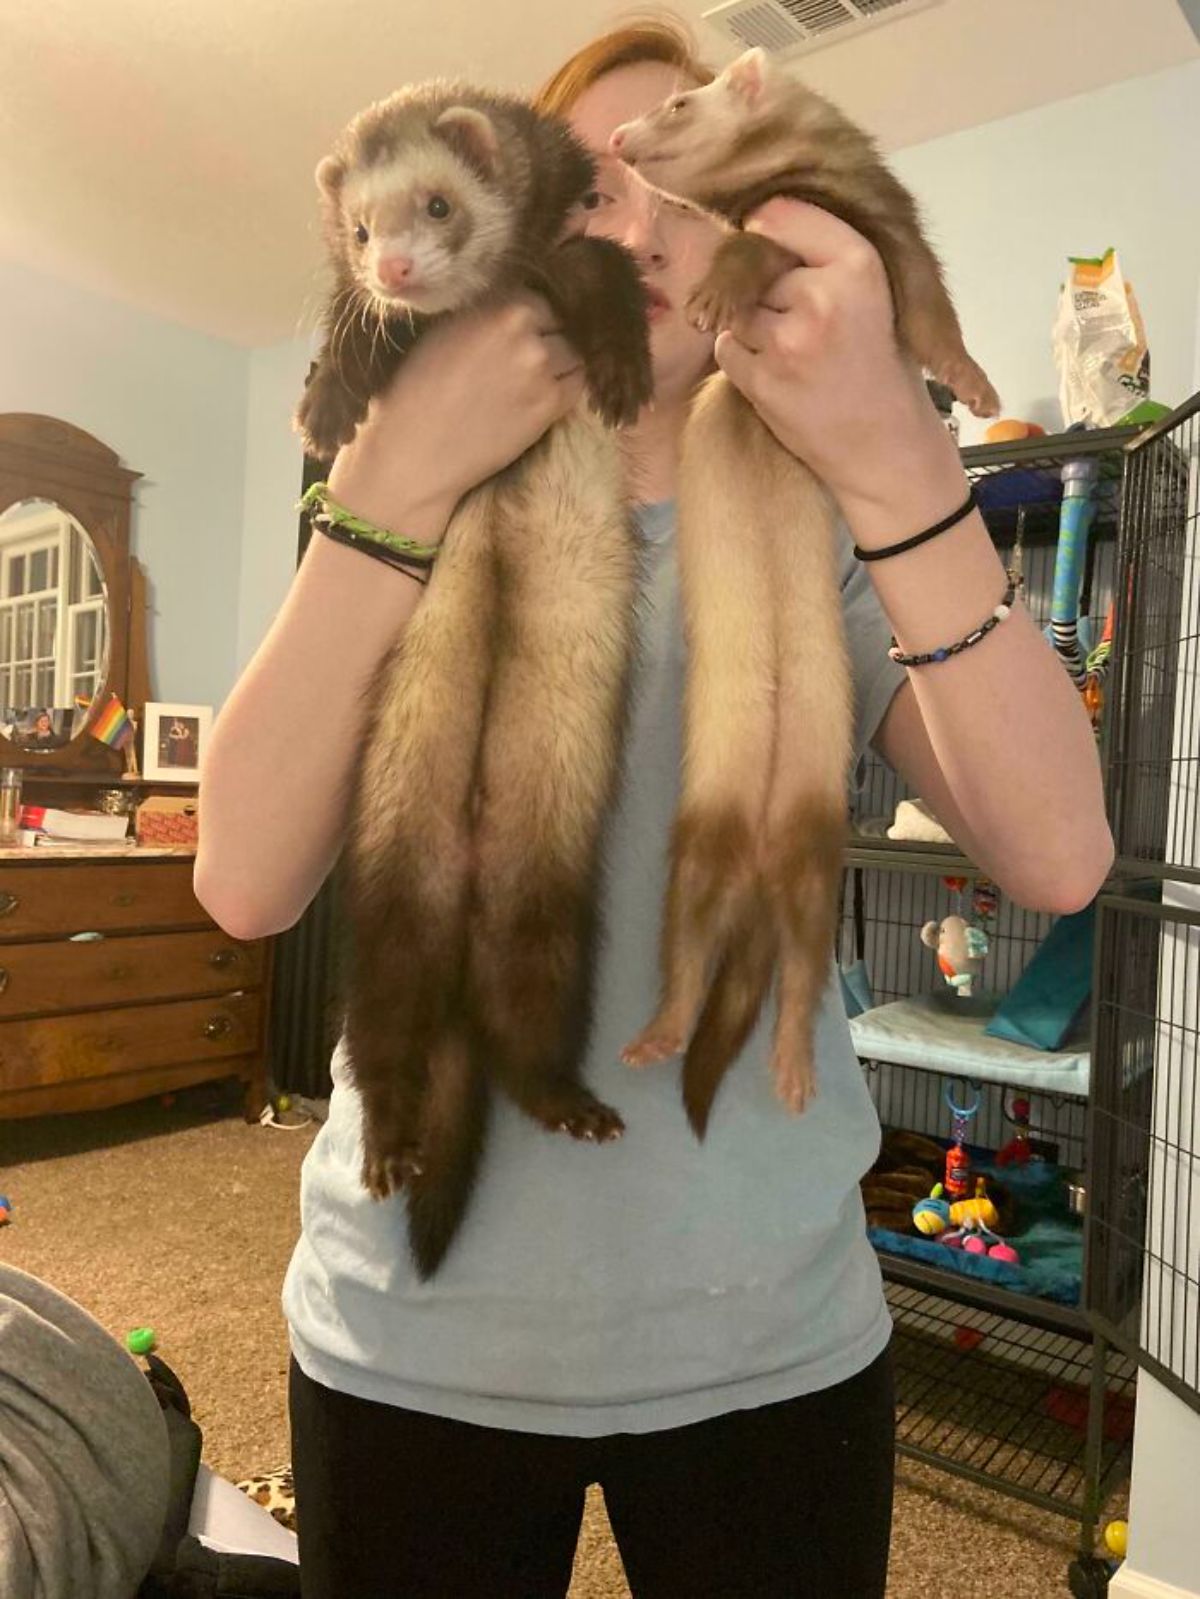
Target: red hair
(654, 37)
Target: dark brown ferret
(758, 842)
(493, 729)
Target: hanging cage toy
(958, 1162)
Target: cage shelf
(1005, 1403)
(926, 1033)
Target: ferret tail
(734, 1001)
(453, 1133)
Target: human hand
(471, 396)
(819, 360)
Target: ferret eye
(438, 207)
(678, 104)
(361, 234)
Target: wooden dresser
(162, 998)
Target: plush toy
(914, 820)
(960, 951)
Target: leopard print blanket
(276, 1492)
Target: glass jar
(10, 803)
(115, 801)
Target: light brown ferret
(758, 842)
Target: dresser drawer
(93, 897)
(65, 976)
(61, 1049)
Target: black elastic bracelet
(413, 566)
(920, 538)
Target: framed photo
(173, 740)
(37, 727)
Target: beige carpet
(184, 1217)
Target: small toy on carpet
(1089, 1578)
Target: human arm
(995, 738)
(274, 796)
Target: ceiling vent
(790, 27)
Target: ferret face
(693, 139)
(420, 228)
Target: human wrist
(418, 510)
(917, 481)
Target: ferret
(494, 726)
(758, 839)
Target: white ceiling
(162, 152)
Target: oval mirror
(54, 629)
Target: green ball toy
(141, 1341)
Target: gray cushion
(83, 1452)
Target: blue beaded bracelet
(999, 613)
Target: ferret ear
(747, 75)
(329, 175)
(473, 135)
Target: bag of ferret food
(1099, 343)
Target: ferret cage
(1021, 1375)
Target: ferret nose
(393, 270)
(616, 138)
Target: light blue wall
(1008, 202)
(274, 462)
(172, 404)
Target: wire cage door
(1152, 742)
(1142, 1271)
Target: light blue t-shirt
(649, 1283)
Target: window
(53, 616)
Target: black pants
(792, 1499)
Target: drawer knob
(217, 1026)
(3, 978)
(221, 958)
(8, 903)
(124, 899)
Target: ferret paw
(326, 418)
(620, 382)
(796, 1088)
(742, 270)
(971, 388)
(593, 1122)
(711, 306)
(386, 1174)
(653, 1044)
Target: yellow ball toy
(1116, 1538)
